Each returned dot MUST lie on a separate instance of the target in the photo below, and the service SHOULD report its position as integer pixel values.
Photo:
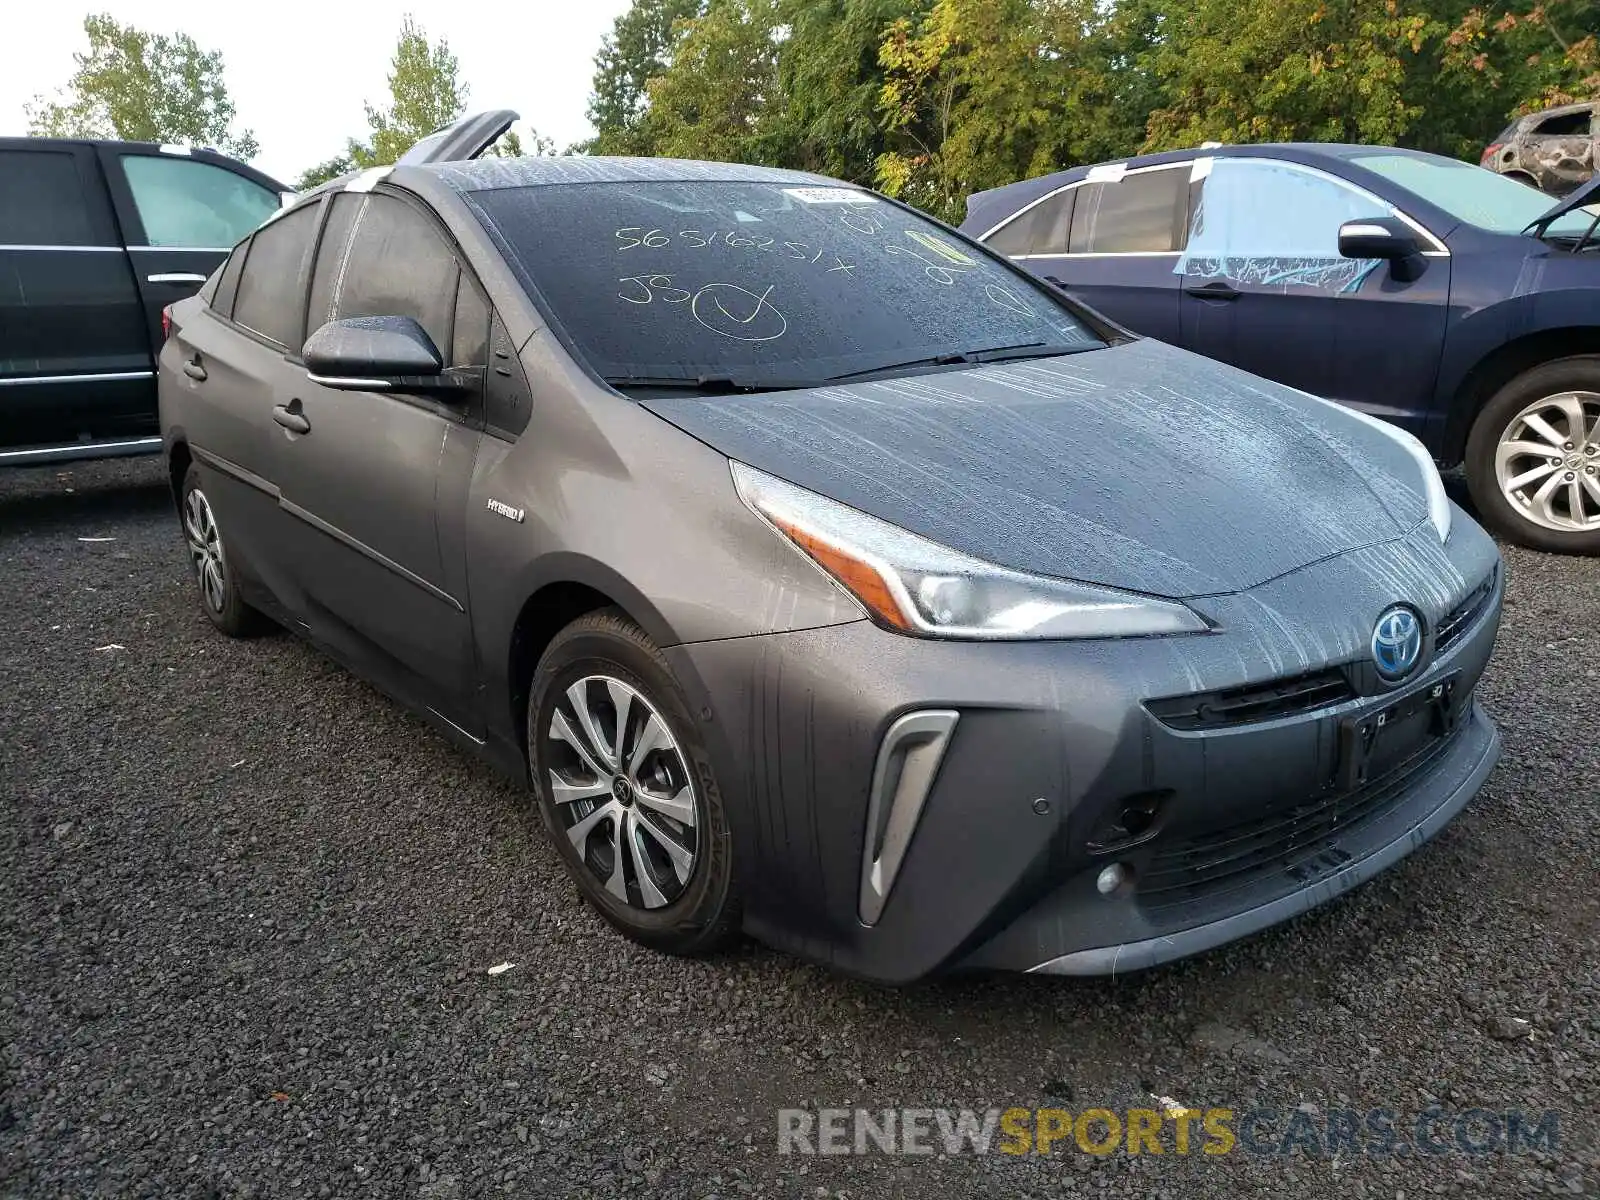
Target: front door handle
(193, 369)
(1216, 290)
(291, 418)
(175, 277)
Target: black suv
(96, 238)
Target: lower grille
(1221, 860)
(1253, 702)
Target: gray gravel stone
(252, 961)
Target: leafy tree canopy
(138, 86)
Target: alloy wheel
(205, 547)
(1548, 462)
(621, 790)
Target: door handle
(193, 369)
(291, 418)
(175, 277)
(1216, 290)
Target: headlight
(1438, 500)
(919, 587)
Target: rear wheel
(1533, 458)
(626, 788)
(214, 577)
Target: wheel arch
(565, 591)
(178, 462)
(1503, 364)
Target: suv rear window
(42, 200)
(761, 282)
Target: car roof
(205, 153)
(1558, 110)
(490, 173)
(987, 209)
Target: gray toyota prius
(828, 577)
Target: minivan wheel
(219, 590)
(1533, 458)
(626, 788)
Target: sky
(299, 71)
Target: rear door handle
(193, 369)
(291, 418)
(175, 277)
(1214, 291)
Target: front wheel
(626, 788)
(1533, 457)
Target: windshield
(762, 283)
(1475, 195)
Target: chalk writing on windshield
(730, 309)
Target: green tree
(631, 55)
(829, 82)
(424, 94)
(339, 164)
(716, 96)
(1288, 70)
(1527, 59)
(510, 146)
(978, 93)
(145, 87)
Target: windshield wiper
(711, 385)
(983, 355)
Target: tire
(215, 581)
(1556, 506)
(652, 851)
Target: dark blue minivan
(1459, 304)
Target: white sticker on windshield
(828, 195)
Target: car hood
(1140, 466)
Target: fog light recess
(1113, 879)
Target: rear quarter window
(228, 281)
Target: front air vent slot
(908, 762)
(1465, 615)
(1253, 702)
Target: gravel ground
(250, 907)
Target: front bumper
(1363, 852)
(1257, 820)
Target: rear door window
(182, 202)
(44, 201)
(270, 286)
(1142, 212)
(1573, 124)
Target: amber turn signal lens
(864, 581)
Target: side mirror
(1384, 237)
(377, 354)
